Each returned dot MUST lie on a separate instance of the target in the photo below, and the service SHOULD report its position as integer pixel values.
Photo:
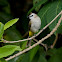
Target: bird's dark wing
(29, 25)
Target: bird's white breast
(35, 24)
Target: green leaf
(1, 30)
(10, 23)
(33, 52)
(59, 30)
(36, 5)
(42, 14)
(47, 13)
(12, 34)
(8, 50)
(26, 58)
(18, 58)
(2, 60)
(42, 59)
(55, 59)
(52, 13)
(37, 1)
(24, 45)
(56, 55)
(52, 52)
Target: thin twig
(52, 46)
(44, 45)
(5, 41)
(11, 57)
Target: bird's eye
(31, 15)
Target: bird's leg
(29, 43)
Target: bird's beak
(27, 16)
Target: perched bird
(34, 24)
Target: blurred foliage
(8, 50)
(46, 10)
(2, 60)
(1, 30)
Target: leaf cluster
(46, 10)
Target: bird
(34, 25)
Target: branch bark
(5, 41)
(11, 57)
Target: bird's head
(32, 15)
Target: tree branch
(44, 45)
(52, 46)
(5, 41)
(11, 57)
